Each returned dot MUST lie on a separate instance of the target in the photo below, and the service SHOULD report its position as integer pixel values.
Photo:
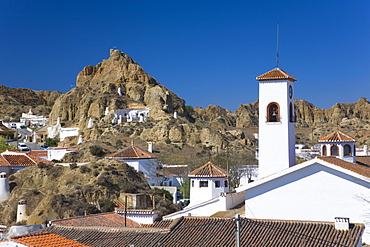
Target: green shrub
(42, 165)
(85, 169)
(51, 142)
(96, 150)
(189, 109)
(119, 143)
(73, 166)
(106, 205)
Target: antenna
(277, 44)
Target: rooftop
(46, 239)
(209, 170)
(362, 165)
(337, 136)
(275, 74)
(131, 152)
(16, 158)
(210, 231)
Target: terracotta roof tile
(131, 152)
(46, 240)
(362, 165)
(101, 220)
(39, 153)
(337, 136)
(209, 170)
(275, 74)
(18, 160)
(210, 231)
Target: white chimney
(150, 147)
(341, 223)
(175, 115)
(365, 150)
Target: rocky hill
(55, 192)
(97, 87)
(15, 101)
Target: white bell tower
(276, 137)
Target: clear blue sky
(206, 51)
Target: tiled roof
(209, 231)
(101, 220)
(15, 158)
(47, 240)
(337, 136)
(209, 170)
(131, 152)
(39, 153)
(362, 165)
(18, 160)
(275, 74)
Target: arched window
(273, 112)
(324, 150)
(347, 150)
(334, 150)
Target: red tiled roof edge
(275, 74)
(337, 136)
(209, 170)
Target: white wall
(276, 140)
(58, 153)
(200, 194)
(67, 132)
(147, 166)
(315, 192)
(223, 202)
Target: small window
(273, 112)
(225, 183)
(192, 183)
(347, 150)
(324, 151)
(203, 184)
(217, 184)
(334, 150)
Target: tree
(4, 146)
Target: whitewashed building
(29, 119)
(207, 182)
(130, 115)
(337, 184)
(209, 193)
(140, 160)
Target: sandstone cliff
(15, 101)
(97, 88)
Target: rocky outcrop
(15, 101)
(117, 83)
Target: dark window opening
(324, 150)
(192, 183)
(225, 183)
(291, 113)
(334, 150)
(217, 184)
(203, 184)
(347, 150)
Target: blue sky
(208, 52)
